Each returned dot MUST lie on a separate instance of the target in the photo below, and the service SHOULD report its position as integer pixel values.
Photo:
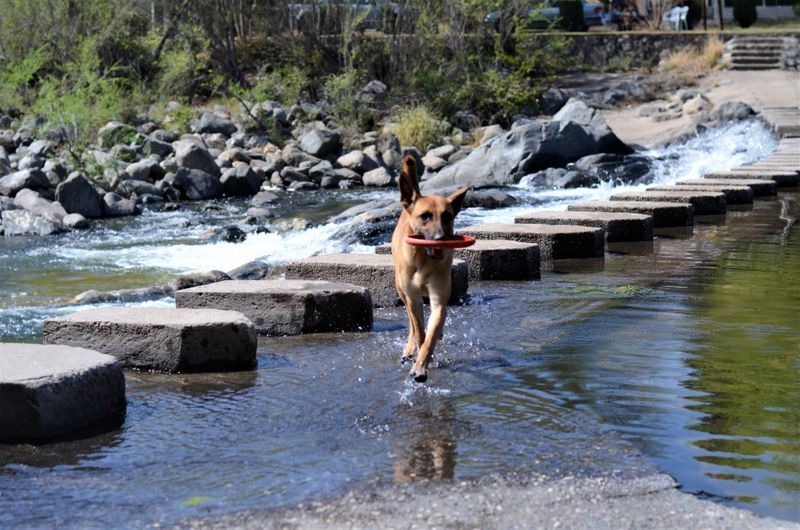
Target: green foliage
(570, 13)
(180, 119)
(340, 91)
(285, 84)
(796, 9)
(744, 12)
(17, 80)
(418, 126)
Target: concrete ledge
(618, 226)
(287, 307)
(373, 271)
(167, 340)
(555, 241)
(733, 194)
(761, 188)
(663, 213)
(705, 203)
(784, 179)
(56, 391)
(495, 259)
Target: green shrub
(796, 9)
(285, 84)
(419, 127)
(340, 92)
(744, 12)
(570, 13)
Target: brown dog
(421, 272)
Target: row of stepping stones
(74, 382)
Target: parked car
(545, 15)
(328, 16)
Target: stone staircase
(757, 53)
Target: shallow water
(686, 346)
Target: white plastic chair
(674, 18)
(682, 18)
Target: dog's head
(431, 216)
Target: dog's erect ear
(457, 199)
(409, 187)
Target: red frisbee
(453, 242)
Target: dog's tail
(410, 167)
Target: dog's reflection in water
(429, 452)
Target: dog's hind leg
(419, 372)
(416, 333)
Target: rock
(259, 213)
(287, 307)
(29, 178)
(290, 174)
(489, 133)
(55, 391)
(329, 181)
(685, 94)
(234, 154)
(696, 104)
(163, 339)
(153, 146)
(733, 111)
(195, 157)
(40, 148)
(146, 169)
(193, 280)
(30, 161)
(552, 100)
(377, 177)
(356, 161)
(347, 174)
(228, 234)
(210, 123)
(433, 163)
(7, 203)
(38, 205)
(129, 187)
(592, 122)
(114, 133)
(320, 142)
(444, 152)
(196, 185)
(393, 160)
(466, 120)
(252, 270)
(303, 186)
(5, 166)
(75, 221)
(373, 92)
(164, 136)
(117, 206)
(22, 222)
(240, 181)
(264, 198)
(320, 170)
(78, 195)
(489, 199)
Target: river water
(686, 346)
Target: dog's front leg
(416, 332)
(419, 372)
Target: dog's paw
(418, 376)
(404, 359)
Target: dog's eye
(425, 217)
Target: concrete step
(783, 179)
(555, 241)
(495, 259)
(756, 66)
(705, 203)
(50, 392)
(733, 194)
(755, 59)
(286, 307)
(618, 226)
(161, 339)
(663, 213)
(761, 188)
(373, 271)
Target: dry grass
(691, 59)
(418, 127)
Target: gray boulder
(210, 123)
(154, 146)
(578, 113)
(30, 161)
(75, 221)
(29, 178)
(147, 169)
(40, 148)
(377, 177)
(115, 132)
(320, 142)
(117, 206)
(356, 161)
(263, 199)
(23, 222)
(191, 156)
(129, 187)
(78, 195)
(240, 181)
(489, 199)
(197, 185)
(733, 111)
(38, 205)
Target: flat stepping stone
(733, 194)
(555, 241)
(663, 213)
(782, 179)
(495, 259)
(618, 226)
(761, 188)
(373, 271)
(55, 391)
(162, 339)
(287, 307)
(705, 203)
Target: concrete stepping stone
(495, 259)
(663, 213)
(782, 179)
(56, 391)
(373, 271)
(286, 307)
(705, 203)
(618, 226)
(761, 188)
(162, 339)
(555, 241)
(733, 194)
